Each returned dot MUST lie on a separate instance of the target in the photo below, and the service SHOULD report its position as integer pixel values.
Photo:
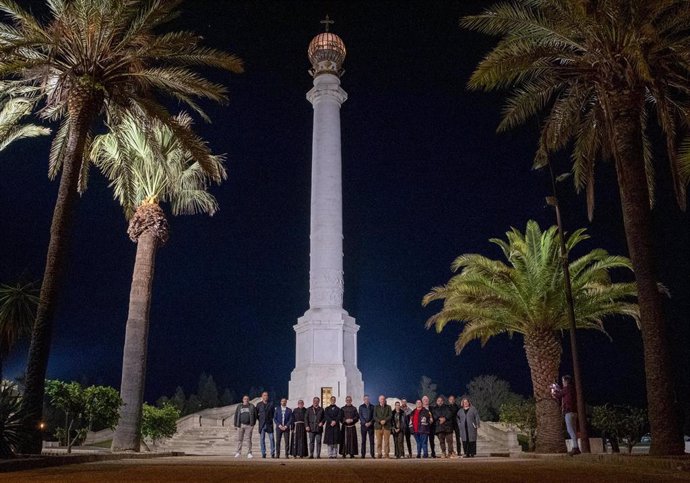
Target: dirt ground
(221, 469)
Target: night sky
(426, 178)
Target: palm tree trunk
(637, 218)
(127, 435)
(544, 358)
(82, 112)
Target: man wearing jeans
(265, 413)
(245, 419)
(566, 395)
(383, 414)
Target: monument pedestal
(326, 358)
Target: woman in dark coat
(299, 447)
(398, 425)
(350, 417)
(420, 425)
(468, 423)
(331, 431)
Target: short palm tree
(18, 304)
(525, 296)
(89, 58)
(148, 165)
(600, 69)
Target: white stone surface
(326, 336)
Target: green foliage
(228, 397)
(427, 388)
(12, 430)
(575, 60)
(147, 162)
(18, 304)
(626, 423)
(12, 111)
(159, 423)
(206, 397)
(114, 53)
(488, 393)
(527, 294)
(208, 392)
(82, 409)
(193, 404)
(179, 399)
(521, 413)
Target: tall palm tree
(91, 57)
(148, 165)
(525, 296)
(599, 69)
(18, 304)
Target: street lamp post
(581, 412)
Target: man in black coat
(455, 407)
(366, 421)
(443, 426)
(315, 428)
(266, 412)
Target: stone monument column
(326, 349)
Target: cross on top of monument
(327, 22)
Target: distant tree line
(208, 395)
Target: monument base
(326, 358)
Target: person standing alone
(566, 395)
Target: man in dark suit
(366, 421)
(265, 412)
(283, 420)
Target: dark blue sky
(425, 179)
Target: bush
(522, 413)
(159, 423)
(625, 423)
(12, 429)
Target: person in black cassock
(350, 418)
(299, 447)
(331, 431)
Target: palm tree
(525, 296)
(147, 164)
(600, 68)
(18, 304)
(92, 57)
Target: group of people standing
(302, 431)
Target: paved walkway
(221, 469)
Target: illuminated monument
(326, 350)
